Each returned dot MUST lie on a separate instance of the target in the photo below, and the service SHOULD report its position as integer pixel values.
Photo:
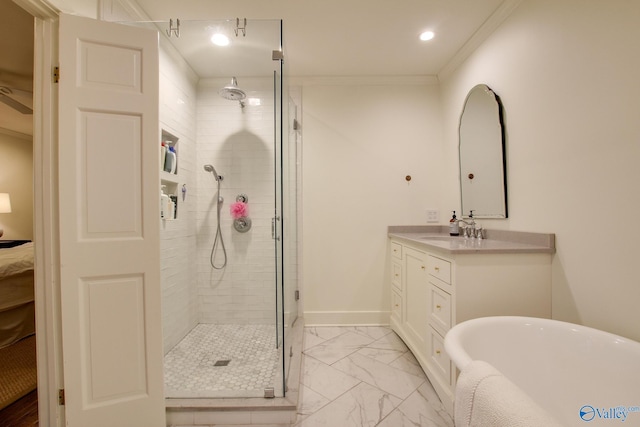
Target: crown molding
(486, 29)
(42, 9)
(363, 80)
(14, 134)
(121, 10)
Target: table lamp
(5, 207)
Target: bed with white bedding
(17, 311)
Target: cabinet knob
(397, 305)
(438, 352)
(423, 267)
(437, 269)
(438, 307)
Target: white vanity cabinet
(432, 289)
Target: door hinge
(56, 74)
(61, 397)
(297, 295)
(269, 393)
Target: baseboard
(327, 318)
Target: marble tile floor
(364, 376)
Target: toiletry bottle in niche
(174, 206)
(163, 155)
(172, 159)
(174, 167)
(170, 162)
(454, 226)
(164, 203)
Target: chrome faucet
(470, 230)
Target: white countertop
(497, 241)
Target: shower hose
(218, 241)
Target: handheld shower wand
(218, 240)
(210, 168)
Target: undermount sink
(443, 238)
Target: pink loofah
(238, 210)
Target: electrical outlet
(433, 216)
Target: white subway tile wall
(178, 237)
(239, 143)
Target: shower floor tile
(222, 361)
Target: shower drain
(221, 362)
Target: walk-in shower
(228, 294)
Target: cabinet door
(416, 293)
(439, 308)
(438, 360)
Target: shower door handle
(273, 228)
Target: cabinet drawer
(396, 306)
(396, 275)
(439, 268)
(440, 308)
(439, 359)
(396, 250)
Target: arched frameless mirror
(483, 178)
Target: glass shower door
(229, 307)
(277, 226)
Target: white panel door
(109, 224)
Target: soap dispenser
(454, 226)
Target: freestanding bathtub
(581, 376)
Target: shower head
(210, 168)
(232, 92)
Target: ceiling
(350, 37)
(321, 38)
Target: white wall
(362, 137)
(567, 72)
(16, 178)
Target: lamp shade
(5, 203)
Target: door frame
(47, 284)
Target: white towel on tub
(486, 398)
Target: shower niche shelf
(169, 179)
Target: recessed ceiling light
(427, 35)
(219, 39)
